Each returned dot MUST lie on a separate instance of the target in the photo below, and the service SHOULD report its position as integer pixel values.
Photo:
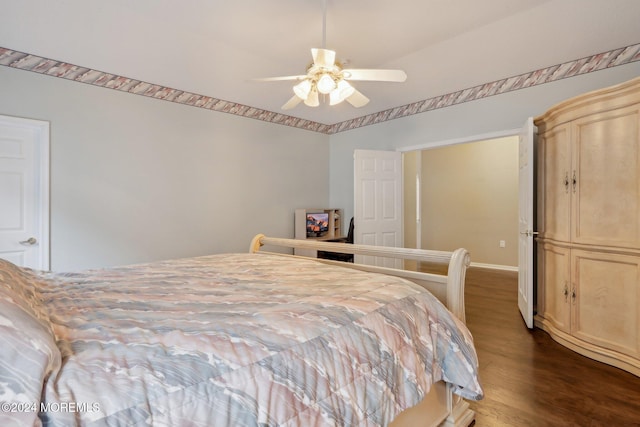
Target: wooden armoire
(589, 223)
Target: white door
(525, 222)
(24, 192)
(378, 203)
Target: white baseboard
(495, 266)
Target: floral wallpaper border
(51, 67)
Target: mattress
(224, 340)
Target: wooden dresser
(589, 222)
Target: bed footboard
(448, 288)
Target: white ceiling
(216, 47)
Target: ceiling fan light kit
(343, 91)
(326, 84)
(324, 77)
(312, 100)
(302, 89)
(327, 77)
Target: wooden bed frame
(440, 407)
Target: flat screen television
(317, 224)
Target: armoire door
(557, 183)
(558, 287)
(606, 169)
(606, 308)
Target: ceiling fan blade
(323, 57)
(375, 75)
(292, 103)
(277, 79)
(358, 99)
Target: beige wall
(470, 199)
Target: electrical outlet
(503, 244)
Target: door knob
(29, 242)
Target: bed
(256, 339)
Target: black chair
(338, 256)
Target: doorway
(465, 195)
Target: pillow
(28, 351)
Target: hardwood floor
(529, 379)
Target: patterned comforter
(225, 340)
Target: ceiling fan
(326, 76)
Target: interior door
(24, 192)
(378, 203)
(526, 199)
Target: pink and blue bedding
(224, 340)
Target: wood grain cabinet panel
(589, 217)
(557, 277)
(605, 308)
(557, 181)
(606, 193)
